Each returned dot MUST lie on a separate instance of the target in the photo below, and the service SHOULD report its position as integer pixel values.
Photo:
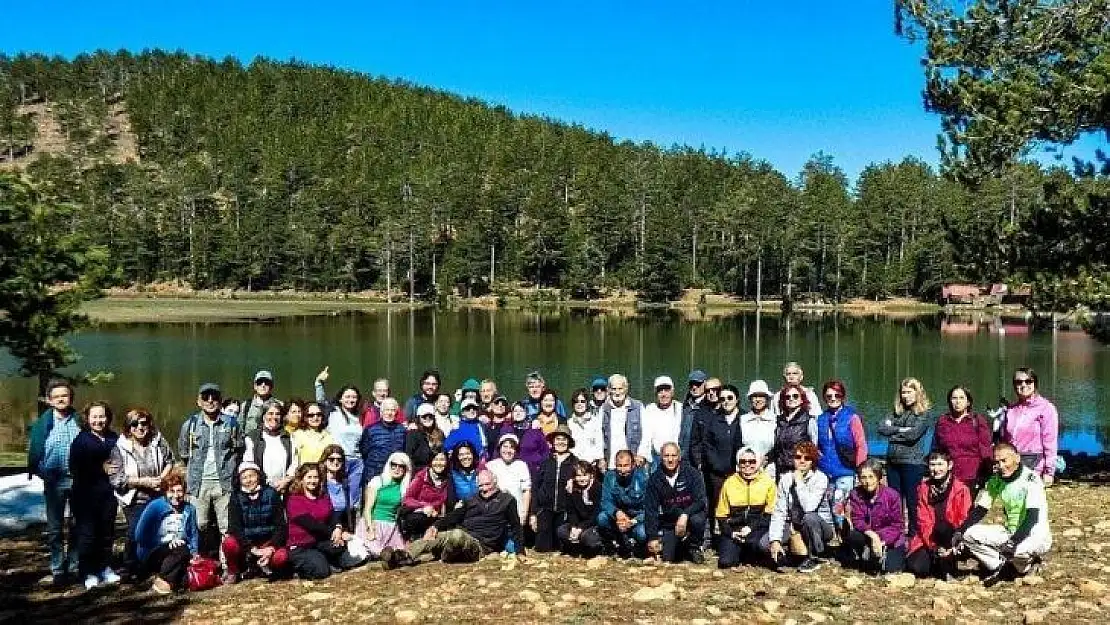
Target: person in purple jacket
(965, 436)
(534, 448)
(877, 540)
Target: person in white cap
(758, 424)
(512, 474)
(259, 403)
(666, 422)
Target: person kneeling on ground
(943, 502)
(621, 519)
(483, 524)
(1017, 546)
(876, 541)
(317, 541)
(744, 510)
(166, 536)
(579, 535)
(802, 516)
(675, 509)
(256, 530)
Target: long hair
(323, 406)
(300, 403)
(297, 488)
(355, 414)
(341, 474)
(107, 413)
(804, 407)
(386, 477)
(434, 435)
(920, 406)
(455, 456)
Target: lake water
(160, 366)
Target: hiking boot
(697, 556)
(229, 579)
(1004, 573)
(91, 582)
(809, 565)
(394, 558)
(161, 586)
(109, 577)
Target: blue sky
(780, 81)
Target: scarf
(938, 491)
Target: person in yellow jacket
(744, 511)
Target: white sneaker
(108, 576)
(91, 582)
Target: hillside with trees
(281, 175)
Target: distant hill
(286, 175)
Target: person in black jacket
(723, 437)
(256, 528)
(481, 525)
(94, 503)
(423, 443)
(579, 534)
(555, 472)
(675, 509)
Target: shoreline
(181, 306)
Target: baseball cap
(599, 382)
(209, 387)
(469, 403)
(263, 375)
(663, 380)
(247, 464)
(697, 375)
(424, 409)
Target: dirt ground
(557, 589)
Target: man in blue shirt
(48, 458)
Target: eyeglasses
(1023, 382)
(746, 462)
(397, 465)
(793, 396)
(139, 424)
(335, 458)
(728, 398)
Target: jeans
(839, 489)
(731, 551)
(57, 494)
(814, 531)
(904, 478)
(608, 527)
(676, 547)
(315, 562)
(858, 546)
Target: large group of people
(780, 479)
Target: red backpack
(203, 574)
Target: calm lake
(161, 365)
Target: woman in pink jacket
(1031, 426)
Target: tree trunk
(759, 280)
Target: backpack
(203, 574)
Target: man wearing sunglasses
(210, 444)
(259, 403)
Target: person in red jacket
(425, 501)
(943, 503)
(966, 437)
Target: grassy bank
(122, 306)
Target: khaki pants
(212, 496)
(449, 546)
(983, 542)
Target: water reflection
(160, 366)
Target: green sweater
(386, 503)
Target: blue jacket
(628, 498)
(192, 447)
(147, 530)
(377, 443)
(633, 426)
(475, 432)
(834, 439)
(532, 408)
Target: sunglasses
(803, 457)
(746, 462)
(833, 395)
(728, 398)
(335, 459)
(793, 396)
(210, 396)
(139, 424)
(696, 383)
(397, 465)
(309, 415)
(581, 400)
(1023, 382)
(712, 389)
(264, 383)
(427, 416)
